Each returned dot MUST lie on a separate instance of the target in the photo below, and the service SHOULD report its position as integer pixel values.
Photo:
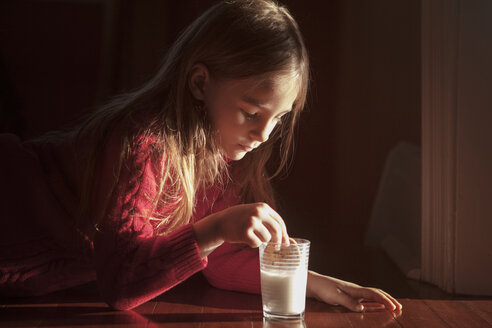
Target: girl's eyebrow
(255, 102)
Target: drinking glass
(284, 270)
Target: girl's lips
(245, 148)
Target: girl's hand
(249, 224)
(339, 292)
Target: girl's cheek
(238, 119)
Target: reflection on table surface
(194, 303)
(284, 324)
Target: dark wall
(60, 58)
(365, 100)
(50, 54)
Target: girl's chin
(236, 155)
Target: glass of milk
(283, 278)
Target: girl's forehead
(266, 85)
(273, 80)
(274, 94)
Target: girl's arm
(133, 265)
(249, 224)
(236, 267)
(230, 239)
(233, 267)
(338, 292)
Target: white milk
(284, 292)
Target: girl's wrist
(312, 283)
(207, 235)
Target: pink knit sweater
(41, 250)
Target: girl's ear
(198, 81)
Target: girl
(170, 179)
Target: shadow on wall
(395, 224)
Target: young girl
(170, 179)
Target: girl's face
(244, 112)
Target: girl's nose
(261, 132)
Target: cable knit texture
(42, 251)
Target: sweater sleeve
(133, 264)
(233, 266)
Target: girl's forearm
(312, 283)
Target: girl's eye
(248, 116)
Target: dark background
(61, 58)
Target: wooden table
(195, 304)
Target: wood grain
(195, 303)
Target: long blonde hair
(234, 39)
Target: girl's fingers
(274, 228)
(384, 299)
(262, 233)
(348, 301)
(253, 240)
(275, 216)
(371, 307)
(397, 304)
(378, 296)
